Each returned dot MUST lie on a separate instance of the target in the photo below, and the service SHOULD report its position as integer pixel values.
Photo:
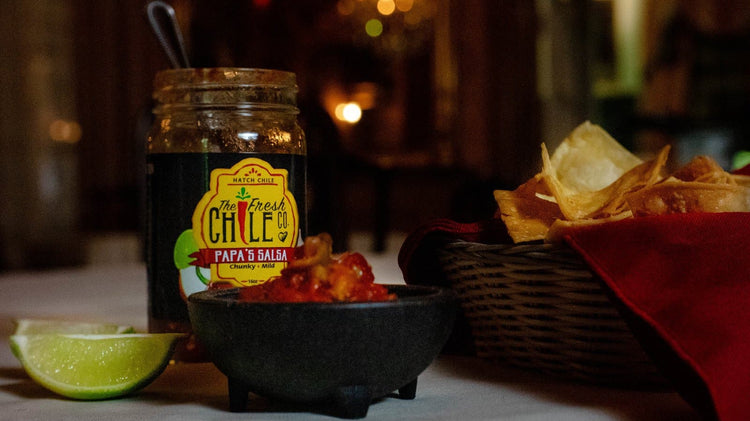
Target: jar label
(228, 218)
(246, 224)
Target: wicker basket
(539, 306)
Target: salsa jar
(226, 187)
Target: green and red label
(246, 225)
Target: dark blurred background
(447, 100)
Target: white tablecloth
(452, 388)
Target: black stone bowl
(338, 356)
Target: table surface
(452, 388)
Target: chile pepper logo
(243, 195)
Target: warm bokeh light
(65, 131)
(413, 19)
(345, 7)
(349, 112)
(386, 7)
(374, 27)
(364, 94)
(404, 5)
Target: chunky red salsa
(314, 274)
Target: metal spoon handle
(162, 18)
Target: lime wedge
(89, 366)
(35, 326)
(38, 326)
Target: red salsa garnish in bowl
(315, 274)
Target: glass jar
(226, 186)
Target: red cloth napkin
(417, 257)
(681, 281)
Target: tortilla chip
(527, 216)
(591, 179)
(703, 169)
(684, 197)
(589, 159)
(560, 227)
(608, 201)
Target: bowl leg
(352, 401)
(408, 391)
(238, 393)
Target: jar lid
(225, 85)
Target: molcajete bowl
(338, 356)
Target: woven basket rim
(534, 245)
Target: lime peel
(35, 326)
(94, 366)
(39, 326)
